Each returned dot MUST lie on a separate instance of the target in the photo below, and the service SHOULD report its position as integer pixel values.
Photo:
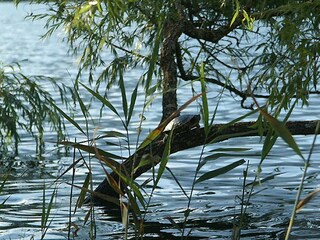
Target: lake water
(215, 203)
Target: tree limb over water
(182, 141)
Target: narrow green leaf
(50, 204)
(271, 136)
(173, 223)
(147, 159)
(90, 149)
(4, 181)
(217, 172)
(88, 214)
(269, 142)
(99, 6)
(233, 122)
(216, 156)
(105, 197)
(104, 101)
(46, 213)
(282, 131)
(101, 43)
(132, 103)
(114, 184)
(85, 9)
(155, 52)
(178, 183)
(124, 98)
(83, 107)
(220, 138)
(68, 169)
(236, 13)
(114, 134)
(205, 108)
(133, 201)
(152, 136)
(4, 201)
(164, 158)
(130, 183)
(82, 195)
(74, 123)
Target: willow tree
(271, 46)
(248, 49)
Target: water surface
(215, 202)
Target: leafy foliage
(278, 55)
(25, 105)
(258, 49)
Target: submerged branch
(186, 140)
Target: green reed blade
(90, 149)
(104, 101)
(82, 195)
(73, 122)
(282, 131)
(132, 103)
(124, 97)
(217, 172)
(165, 158)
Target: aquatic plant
(273, 66)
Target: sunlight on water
(215, 202)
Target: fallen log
(181, 141)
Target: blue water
(215, 202)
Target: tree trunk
(172, 31)
(182, 141)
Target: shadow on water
(212, 228)
(168, 230)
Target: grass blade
(220, 155)
(90, 149)
(130, 183)
(217, 172)
(104, 197)
(164, 159)
(205, 108)
(104, 101)
(124, 98)
(279, 127)
(282, 131)
(307, 199)
(74, 123)
(82, 195)
(46, 213)
(84, 109)
(132, 103)
(155, 51)
(229, 124)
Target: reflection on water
(215, 202)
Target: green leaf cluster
(24, 105)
